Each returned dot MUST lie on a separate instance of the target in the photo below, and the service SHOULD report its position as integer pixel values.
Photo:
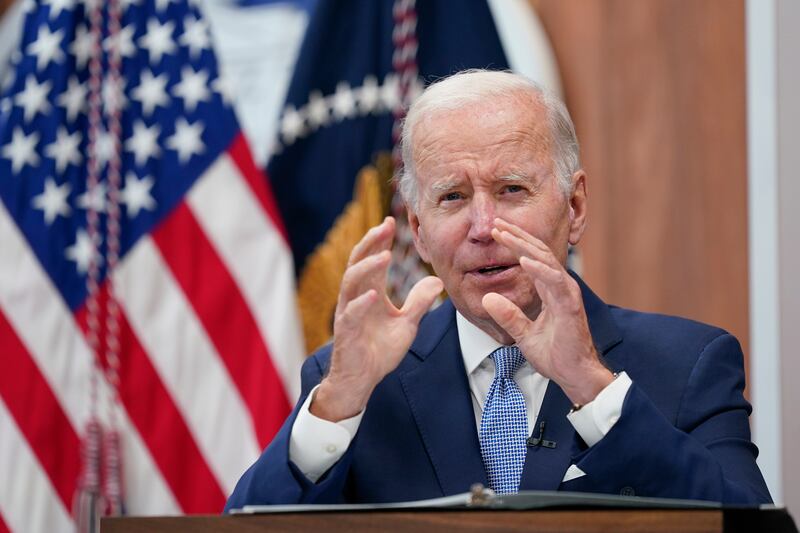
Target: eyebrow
(515, 178)
(446, 184)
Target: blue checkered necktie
(504, 423)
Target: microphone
(540, 440)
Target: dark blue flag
(350, 85)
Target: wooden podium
(729, 520)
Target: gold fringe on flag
(318, 288)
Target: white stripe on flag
(28, 501)
(187, 363)
(257, 257)
(46, 326)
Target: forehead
(498, 134)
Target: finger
(553, 286)
(521, 248)
(369, 273)
(421, 298)
(507, 315)
(356, 311)
(505, 225)
(377, 239)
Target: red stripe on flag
(3, 527)
(160, 424)
(226, 317)
(38, 414)
(241, 155)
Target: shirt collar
(476, 344)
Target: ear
(578, 207)
(419, 234)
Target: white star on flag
(192, 88)
(144, 142)
(317, 110)
(195, 36)
(94, 198)
(151, 92)
(46, 47)
(73, 100)
(33, 99)
(369, 95)
(57, 6)
(53, 200)
(186, 139)
(81, 46)
(105, 148)
(82, 252)
(158, 39)
(64, 149)
(21, 150)
(161, 5)
(292, 125)
(136, 194)
(344, 105)
(122, 42)
(113, 95)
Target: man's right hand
(370, 335)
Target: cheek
(439, 243)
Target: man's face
(474, 164)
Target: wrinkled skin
(495, 224)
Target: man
(404, 407)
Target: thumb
(507, 315)
(421, 298)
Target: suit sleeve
(274, 480)
(706, 454)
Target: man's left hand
(557, 343)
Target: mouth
(492, 270)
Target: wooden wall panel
(657, 92)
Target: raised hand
(371, 335)
(557, 343)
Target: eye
(513, 188)
(451, 197)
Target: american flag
(142, 252)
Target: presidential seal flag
(148, 333)
(359, 67)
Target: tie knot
(507, 360)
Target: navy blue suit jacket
(683, 432)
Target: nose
(482, 215)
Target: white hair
(470, 86)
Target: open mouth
(493, 269)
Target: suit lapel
(545, 467)
(437, 390)
(438, 394)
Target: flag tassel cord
(99, 490)
(403, 273)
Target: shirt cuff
(316, 444)
(595, 419)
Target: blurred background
(250, 145)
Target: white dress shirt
(316, 445)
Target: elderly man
(524, 378)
